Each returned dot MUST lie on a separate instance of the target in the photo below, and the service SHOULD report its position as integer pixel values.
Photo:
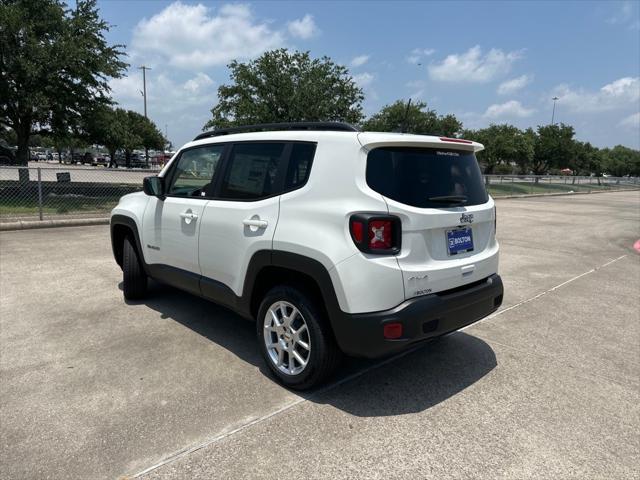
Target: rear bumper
(422, 318)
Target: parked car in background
(138, 161)
(100, 160)
(75, 157)
(88, 158)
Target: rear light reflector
(380, 234)
(392, 331)
(454, 140)
(356, 231)
(376, 233)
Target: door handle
(254, 222)
(188, 217)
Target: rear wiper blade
(449, 198)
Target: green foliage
(620, 161)
(503, 169)
(503, 144)
(119, 129)
(554, 146)
(149, 136)
(583, 159)
(9, 136)
(283, 86)
(415, 118)
(54, 63)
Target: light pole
(553, 113)
(144, 86)
(144, 69)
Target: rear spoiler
(372, 140)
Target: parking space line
(552, 289)
(211, 440)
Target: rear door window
(258, 170)
(426, 177)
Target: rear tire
(322, 355)
(134, 280)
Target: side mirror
(153, 186)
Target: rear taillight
(376, 233)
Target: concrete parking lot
(173, 387)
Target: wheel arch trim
(129, 223)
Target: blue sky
(486, 62)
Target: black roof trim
(330, 126)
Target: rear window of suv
(426, 177)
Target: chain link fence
(45, 193)
(512, 185)
(50, 192)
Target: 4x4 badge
(466, 218)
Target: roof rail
(331, 126)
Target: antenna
(403, 128)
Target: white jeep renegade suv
(333, 240)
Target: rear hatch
(448, 232)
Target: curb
(561, 194)
(33, 224)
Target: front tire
(294, 338)
(134, 280)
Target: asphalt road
(549, 387)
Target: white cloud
(474, 67)
(624, 14)
(618, 94)
(127, 88)
(510, 109)
(164, 95)
(304, 27)
(364, 79)
(196, 36)
(417, 88)
(198, 83)
(360, 60)
(416, 84)
(417, 54)
(510, 86)
(632, 122)
(180, 105)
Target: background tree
(620, 161)
(54, 61)
(503, 144)
(107, 126)
(283, 86)
(524, 163)
(9, 135)
(150, 136)
(553, 148)
(412, 118)
(582, 160)
(119, 129)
